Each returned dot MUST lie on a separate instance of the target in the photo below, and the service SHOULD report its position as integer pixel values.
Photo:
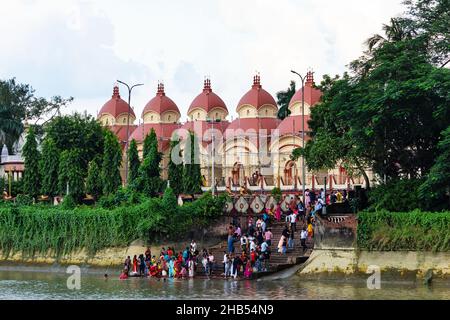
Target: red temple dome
(312, 95)
(116, 105)
(257, 96)
(160, 103)
(207, 100)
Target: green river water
(23, 285)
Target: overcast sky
(79, 48)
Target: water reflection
(40, 285)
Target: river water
(25, 285)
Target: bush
(415, 230)
(24, 200)
(276, 193)
(32, 229)
(122, 197)
(396, 195)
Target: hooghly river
(25, 285)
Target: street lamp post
(213, 182)
(303, 131)
(128, 125)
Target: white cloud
(79, 48)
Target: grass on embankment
(33, 230)
(415, 230)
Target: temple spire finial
(116, 90)
(256, 79)
(207, 84)
(160, 88)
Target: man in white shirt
(226, 267)
(293, 221)
(252, 245)
(263, 226)
(303, 236)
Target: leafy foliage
(276, 193)
(49, 167)
(389, 114)
(283, 99)
(33, 230)
(148, 180)
(31, 177)
(175, 171)
(396, 195)
(112, 159)
(134, 163)
(415, 230)
(435, 191)
(192, 178)
(77, 131)
(70, 173)
(17, 103)
(94, 185)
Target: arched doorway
(238, 174)
(290, 172)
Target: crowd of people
(168, 263)
(255, 243)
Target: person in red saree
(135, 265)
(124, 275)
(248, 270)
(278, 213)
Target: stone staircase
(277, 260)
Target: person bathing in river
(124, 275)
(172, 267)
(248, 270)
(135, 265)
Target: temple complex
(252, 151)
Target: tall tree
(283, 99)
(148, 140)
(435, 191)
(176, 166)
(192, 178)
(18, 103)
(49, 167)
(94, 185)
(30, 153)
(70, 174)
(134, 162)
(149, 180)
(389, 115)
(77, 131)
(112, 159)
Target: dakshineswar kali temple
(239, 161)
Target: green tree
(134, 163)
(175, 170)
(169, 202)
(112, 160)
(18, 103)
(49, 167)
(148, 140)
(94, 185)
(388, 115)
(283, 99)
(77, 131)
(149, 180)
(70, 174)
(192, 179)
(30, 153)
(435, 191)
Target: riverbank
(338, 263)
(109, 257)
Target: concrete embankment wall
(344, 262)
